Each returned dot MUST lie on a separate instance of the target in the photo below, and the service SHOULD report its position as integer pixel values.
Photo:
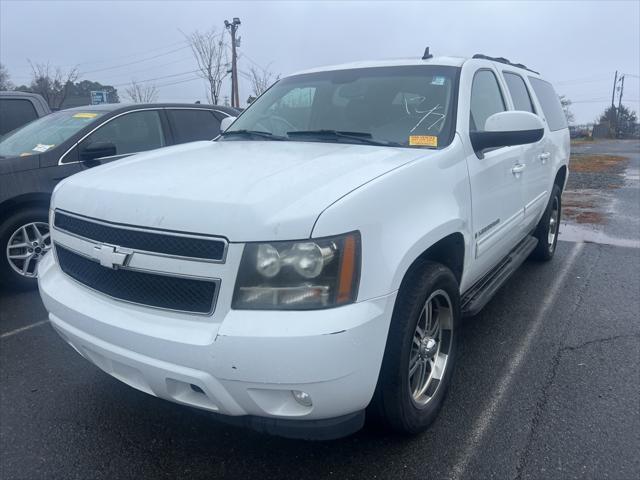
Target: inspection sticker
(423, 140)
(41, 147)
(85, 115)
(437, 81)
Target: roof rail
(505, 61)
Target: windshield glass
(408, 106)
(45, 133)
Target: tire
(397, 403)
(12, 232)
(548, 228)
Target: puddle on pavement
(590, 199)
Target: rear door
(192, 124)
(535, 156)
(495, 176)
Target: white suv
(314, 262)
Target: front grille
(144, 240)
(161, 291)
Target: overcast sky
(576, 45)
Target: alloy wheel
(26, 247)
(431, 345)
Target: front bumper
(235, 363)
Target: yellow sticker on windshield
(85, 115)
(423, 140)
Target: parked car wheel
(421, 348)
(24, 239)
(548, 228)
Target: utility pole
(613, 91)
(233, 27)
(619, 103)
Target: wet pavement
(602, 199)
(546, 385)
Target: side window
(193, 125)
(519, 92)
(550, 103)
(131, 133)
(486, 99)
(14, 113)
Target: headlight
(303, 275)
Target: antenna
(426, 55)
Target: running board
(483, 290)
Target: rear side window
(486, 99)
(519, 92)
(193, 125)
(550, 103)
(14, 113)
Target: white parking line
(22, 329)
(485, 418)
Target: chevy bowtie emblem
(111, 257)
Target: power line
(137, 61)
(129, 55)
(156, 78)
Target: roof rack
(505, 61)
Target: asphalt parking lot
(547, 384)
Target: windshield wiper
(362, 137)
(253, 133)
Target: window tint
(486, 99)
(550, 103)
(519, 92)
(131, 133)
(14, 113)
(193, 125)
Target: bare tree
(141, 93)
(210, 53)
(5, 83)
(261, 79)
(52, 83)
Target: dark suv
(20, 108)
(34, 158)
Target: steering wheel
(272, 121)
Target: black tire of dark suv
(31, 222)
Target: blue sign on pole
(98, 97)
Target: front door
(496, 178)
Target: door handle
(518, 168)
(544, 157)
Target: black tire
(546, 248)
(393, 403)
(9, 278)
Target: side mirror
(97, 150)
(506, 129)
(226, 123)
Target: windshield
(408, 106)
(45, 133)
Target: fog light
(303, 398)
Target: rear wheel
(24, 239)
(548, 228)
(421, 349)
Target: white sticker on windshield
(437, 81)
(41, 147)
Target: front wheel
(548, 228)
(24, 239)
(421, 349)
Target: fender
(402, 214)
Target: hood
(242, 190)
